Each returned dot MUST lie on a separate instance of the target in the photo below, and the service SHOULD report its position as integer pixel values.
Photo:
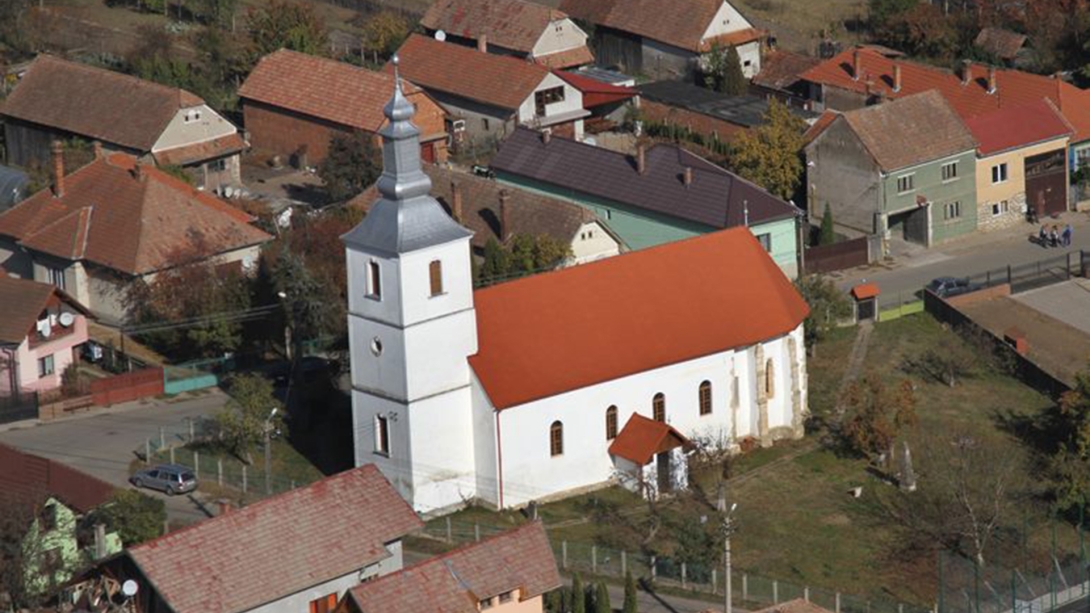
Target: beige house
(1020, 163)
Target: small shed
(866, 301)
(13, 184)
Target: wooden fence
(128, 386)
(829, 258)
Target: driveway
(104, 443)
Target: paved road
(104, 443)
(977, 253)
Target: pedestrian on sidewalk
(1042, 236)
(1054, 236)
(1067, 235)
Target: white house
(522, 391)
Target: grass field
(798, 24)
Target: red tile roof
(732, 39)
(815, 130)
(1013, 127)
(519, 560)
(493, 79)
(683, 25)
(865, 290)
(200, 152)
(26, 478)
(565, 330)
(570, 58)
(131, 224)
(279, 546)
(595, 92)
(24, 301)
(1014, 88)
(323, 88)
(511, 24)
(642, 438)
(95, 102)
(781, 69)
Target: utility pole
(728, 530)
(268, 451)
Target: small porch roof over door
(642, 438)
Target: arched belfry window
(658, 407)
(556, 439)
(611, 423)
(374, 279)
(435, 274)
(706, 398)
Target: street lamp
(268, 450)
(728, 529)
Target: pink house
(40, 332)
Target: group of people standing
(1054, 237)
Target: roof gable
(279, 546)
(566, 330)
(95, 102)
(511, 24)
(642, 438)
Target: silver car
(170, 478)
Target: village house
(114, 221)
(608, 104)
(903, 170)
(662, 194)
(1020, 163)
(294, 103)
(518, 28)
(860, 76)
(516, 392)
(781, 77)
(507, 573)
(53, 503)
(488, 95)
(500, 213)
(41, 333)
(296, 552)
(167, 126)
(643, 38)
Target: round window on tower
(376, 346)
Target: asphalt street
(105, 442)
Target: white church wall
(457, 294)
(385, 371)
(386, 307)
(395, 465)
(436, 353)
(485, 443)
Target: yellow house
(1021, 163)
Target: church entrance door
(664, 470)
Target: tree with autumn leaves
(771, 154)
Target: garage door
(1046, 182)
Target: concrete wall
(592, 242)
(929, 184)
(560, 35)
(483, 122)
(191, 126)
(572, 103)
(1013, 190)
(841, 174)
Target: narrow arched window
(374, 280)
(770, 379)
(706, 398)
(658, 407)
(611, 423)
(556, 439)
(435, 272)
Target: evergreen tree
(724, 71)
(601, 599)
(630, 605)
(578, 595)
(828, 232)
(352, 164)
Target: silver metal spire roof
(406, 217)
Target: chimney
(97, 148)
(482, 43)
(505, 221)
(687, 176)
(993, 85)
(857, 65)
(641, 159)
(896, 77)
(138, 171)
(966, 72)
(224, 506)
(456, 201)
(546, 136)
(57, 149)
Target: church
(560, 382)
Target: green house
(660, 195)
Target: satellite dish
(67, 319)
(440, 35)
(129, 588)
(227, 191)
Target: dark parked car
(945, 287)
(170, 478)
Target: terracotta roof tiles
(199, 152)
(1018, 126)
(1001, 43)
(642, 438)
(782, 69)
(26, 478)
(683, 25)
(579, 56)
(595, 92)
(511, 24)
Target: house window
(952, 210)
(706, 398)
(484, 123)
(999, 173)
(435, 273)
(505, 597)
(486, 603)
(56, 277)
(219, 165)
(47, 519)
(325, 604)
(906, 183)
(45, 366)
(999, 208)
(770, 379)
(611, 423)
(382, 435)
(556, 440)
(1082, 158)
(374, 280)
(609, 214)
(766, 241)
(658, 407)
(546, 97)
(949, 171)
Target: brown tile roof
(135, 225)
(24, 301)
(26, 477)
(511, 24)
(200, 152)
(911, 130)
(733, 39)
(823, 121)
(529, 213)
(498, 80)
(642, 438)
(1001, 43)
(682, 25)
(94, 102)
(279, 546)
(519, 560)
(571, 58)
(783, 69)
(323, 88)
